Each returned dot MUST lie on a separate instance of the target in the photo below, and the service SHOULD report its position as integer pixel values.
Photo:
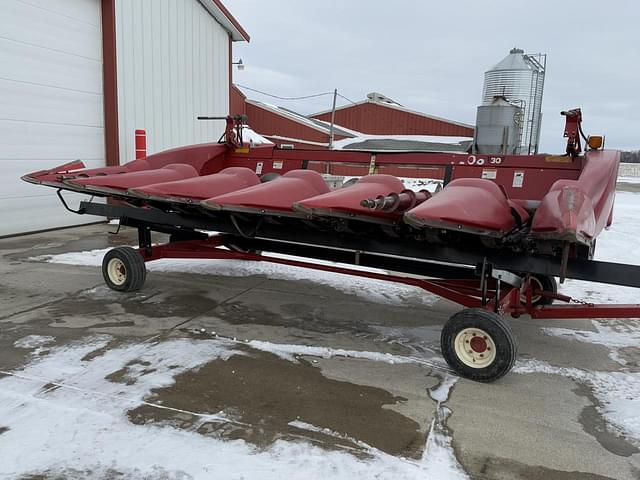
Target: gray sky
(431, 56)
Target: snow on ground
(618, 392)
(439, 440)
(415, 184)
(34, 341)
(614, 334)
(618, 244)
(63, 406)
(290, 352)
(380, 291)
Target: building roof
(217, 9)
(312, 123)
(394, 106)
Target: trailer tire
(546, 283)
(123, 269)
(479, 345)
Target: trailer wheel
(479, 345)
(541, 282)
(123, 269)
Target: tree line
(630, 157)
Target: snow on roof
(423, 143)
(251, 137)
(318, 125)
(397, 107)
(347, 131)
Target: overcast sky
(431, 56)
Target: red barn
(379, 115)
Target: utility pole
(333, 118)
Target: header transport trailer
(492, 237)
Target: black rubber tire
(549, 284)
(496, 327)
(135, 270)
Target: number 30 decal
(473, 160)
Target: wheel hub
(478, 344)
(117, 271)
(475, 347)
(536, 287)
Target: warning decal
(518, 179)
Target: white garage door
(51, 107)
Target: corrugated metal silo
(519, 78)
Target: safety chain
(581, 302)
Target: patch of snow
(289, 352)
(440, 393)
(34, 341)
(417, 184)
(438, 450)
(439, 454)
(615, 334)
(350, 131)
(251, 137)
(82, 426)
(438, 461)
(618, 393)
(380, 291)
(299, 424)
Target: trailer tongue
(493, 239)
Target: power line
(347, 99)
(295, 98)
(284, 98)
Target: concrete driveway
(206, 373)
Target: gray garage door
(51, 108)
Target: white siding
(172, 67)
(51, 107)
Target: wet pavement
(270, 363)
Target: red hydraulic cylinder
(141, 144)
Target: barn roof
(394, 106)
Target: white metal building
(78, 77)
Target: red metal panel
(378, 119)
(413, 171)
(237, 100)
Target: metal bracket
(506, 277)
(144, 239)
(117, 229)
(80, 211)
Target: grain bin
(519, 78)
